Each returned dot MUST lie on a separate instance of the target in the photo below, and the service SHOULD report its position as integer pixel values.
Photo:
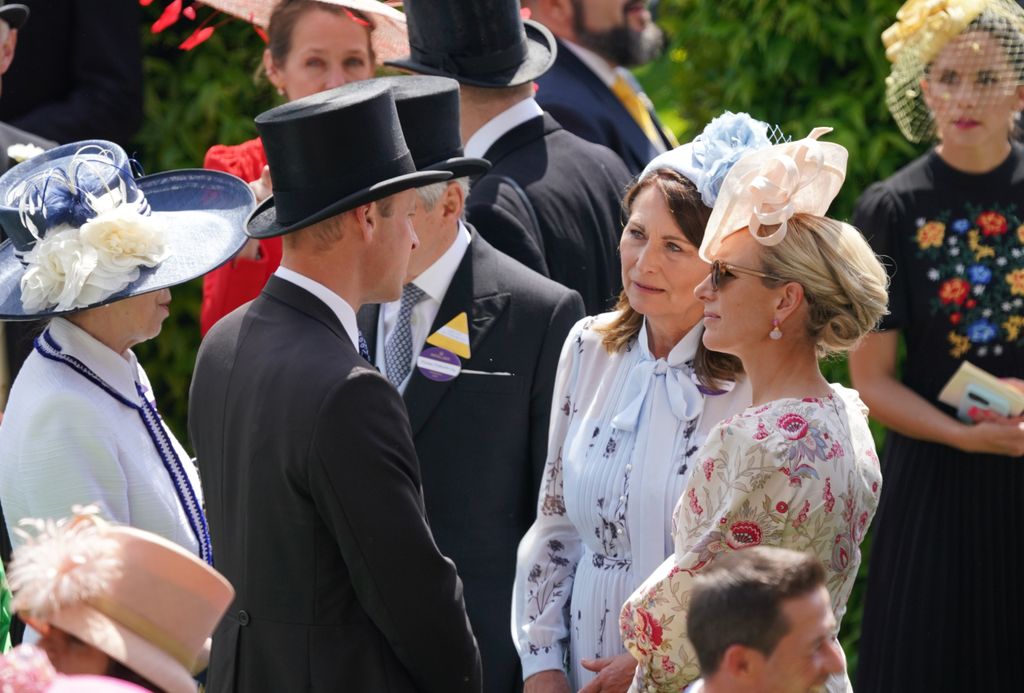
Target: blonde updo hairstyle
(845, 285)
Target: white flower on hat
(23, 152)
(72, 268)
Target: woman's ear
(789, 301)
(273, 74)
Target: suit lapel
(474, 291)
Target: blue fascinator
(83, 231)
(707, 159)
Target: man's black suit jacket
(553, 201)
(316, 514)
(584, 105)
(482, 439)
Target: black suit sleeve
(364, 478)
(105, 61)
(500, 215)
(566, 314)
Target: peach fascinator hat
(768, 186)
(140, 599)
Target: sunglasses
(721, 271)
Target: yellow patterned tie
(637, 107)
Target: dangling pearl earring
(776, 333)
(280, 91)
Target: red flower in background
(781, 507)
(170, 15)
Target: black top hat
(331, 152)
(482, 43)
(428, 108)
(15, 15)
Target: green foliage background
(794, 63)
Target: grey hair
(431, 194)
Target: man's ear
(453, 201)
(366, 219)
(741, 664)
(7, 50)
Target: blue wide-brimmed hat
(82, 231)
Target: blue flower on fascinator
(725, 139)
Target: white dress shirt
(339, 306)
(65, 441)
(434, 282)
(481, 140)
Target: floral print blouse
(802, 474)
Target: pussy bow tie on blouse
(684, 397)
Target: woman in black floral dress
(944, 608)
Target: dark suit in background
(77, 71)
(553, 201)
(340, 587)
(482, 439)
(18, 336)
(585, 106)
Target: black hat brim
(263, 221)
(541, 50)
(15, 15)
(460, 166)
(205, 213)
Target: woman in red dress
(312, 46)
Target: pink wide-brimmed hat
(138, 598)
(768, 186)
(389, 36)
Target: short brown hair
(738, 600)
(691, 215)
(286, 14)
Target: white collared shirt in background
(598, 65)
(481, 140)
(338, 305)
(434, 282)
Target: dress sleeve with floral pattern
(549, 552)
(801, 474)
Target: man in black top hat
(311, 479)
(551, 199)
(481, 434)
(589, 88)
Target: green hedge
(192, 100)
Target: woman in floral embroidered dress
(943, 609)
(634, 399)
(798, 468)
